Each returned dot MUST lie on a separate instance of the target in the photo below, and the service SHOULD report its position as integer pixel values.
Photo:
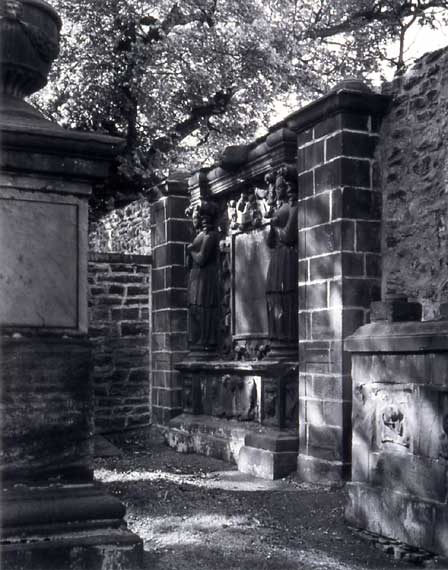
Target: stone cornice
(428, 336)
(50, 148)
(248, 163)
(339, 101)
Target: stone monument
(399, 484)
(53, 515)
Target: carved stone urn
(29, 32)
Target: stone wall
(413, 159)
(119, 317)
(125, 230)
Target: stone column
(339, 264)
(52, 514)
(171, 231)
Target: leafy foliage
(179, 80)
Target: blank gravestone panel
(38, 263)
(251, 258)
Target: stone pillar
(171, 231)
(339, 264)
(50, 504)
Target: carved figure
(248, 212)
(281, 282)
(393, 426)
(247, 400)
(444, 439)
(203, 293)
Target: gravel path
(198, 513)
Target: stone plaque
(38, 263)
(251, 261)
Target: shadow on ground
(195, 512)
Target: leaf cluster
(181, 79)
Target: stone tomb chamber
(240, 393)
(282, 266)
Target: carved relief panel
(230, 396)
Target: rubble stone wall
(413, 163)
(124, 230)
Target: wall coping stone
(427, 336)
(104, 257)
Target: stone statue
(282, 276)
(203, 291)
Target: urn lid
(29, 43)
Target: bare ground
(199, 513)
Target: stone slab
(280, 443)
(399, 516)
(315, 470)
(38, 258)
(251, 264)
(426, 336)
(215, 437)
(114, 549)
(266, 464)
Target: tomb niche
(240, 376)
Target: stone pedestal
(400, 432)
(52, 513)
(242, 412)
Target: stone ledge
(400, 337)
(315, 470)
(266, 464)
(112, 257)
(420, 523)
(219, 438)
(254, 366)
(76, 550)
(276, 443)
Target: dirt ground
(195, 512)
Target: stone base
(66, 527)
(273, 452)
(315, 470)
(268, 456)
(408, 519)
(102, 549)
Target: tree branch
(217, 105)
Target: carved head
(208, 212)
(445, 424)
(11, 9)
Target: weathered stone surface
(125, 230)
(266, 464)
(251, 257)
(39, 259)
(399, 452)
(412, 160)
(77, 550)
(119, 286)
(395, 310)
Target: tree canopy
(181, 79)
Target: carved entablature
(255, 190)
